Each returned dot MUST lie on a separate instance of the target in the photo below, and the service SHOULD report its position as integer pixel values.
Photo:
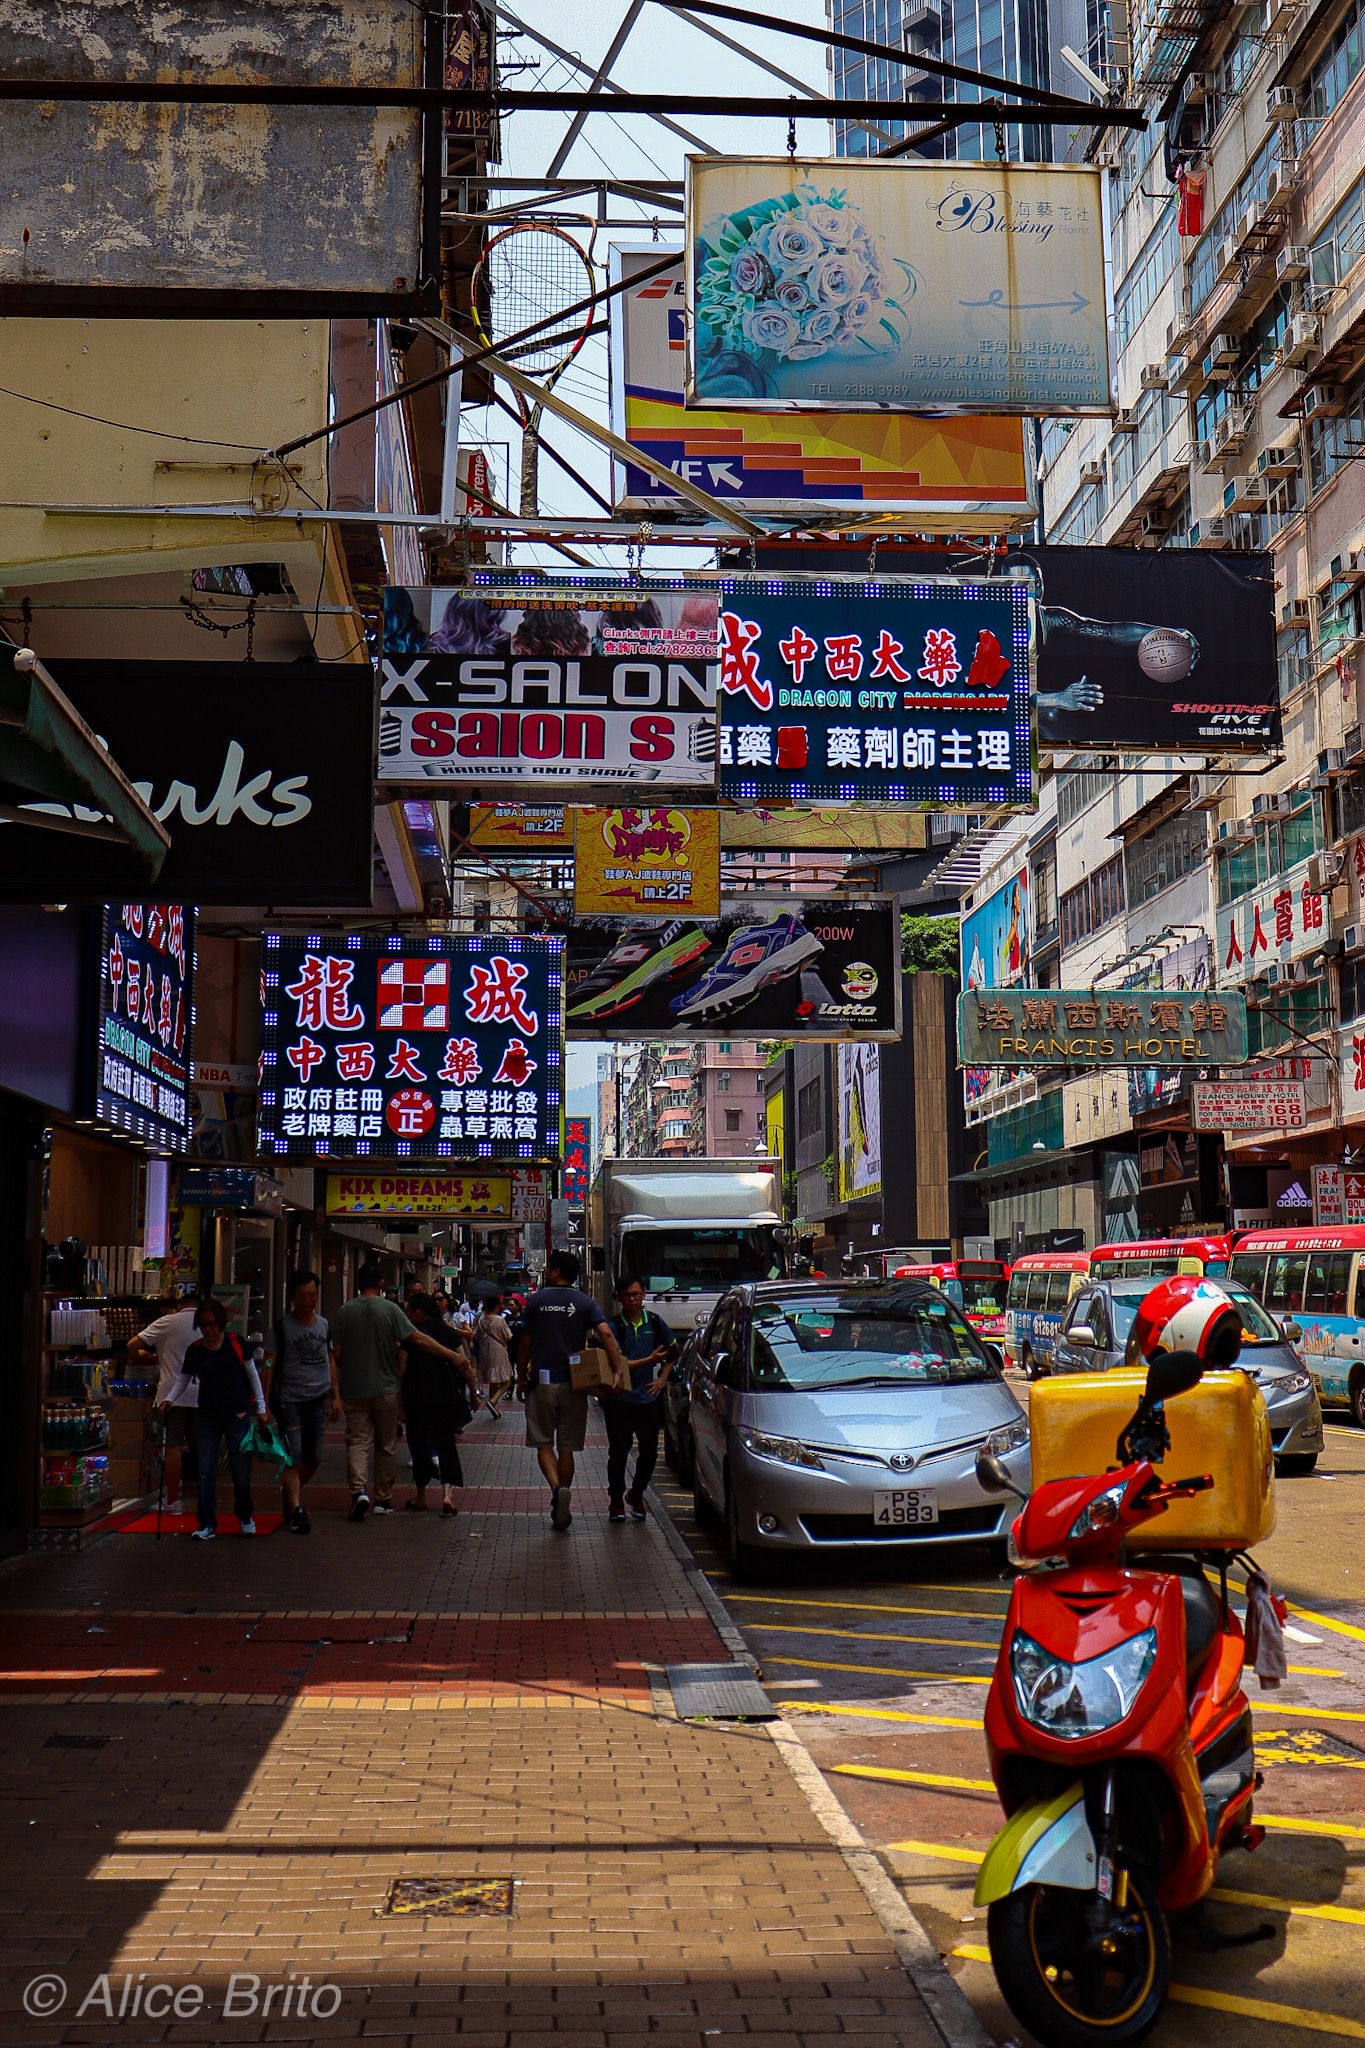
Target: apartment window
(1044, 895)
(1276, 844)
(1165, 856)
(762, 1122)
(1081, 520)
(1257, 363)
(726, 1045)
(1336, 67)
(1352, 986)
(1129, 454)
(1332, 443)
(1294, 1012)
(675, 1129)
(808, 1110)
(1137, 293)
(1250, 190)
(732, 1119)
(1076, 792)
(723, 1081)
(1094, 903)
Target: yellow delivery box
(1220, 1427)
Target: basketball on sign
(1166, 654)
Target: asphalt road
(883, 1668)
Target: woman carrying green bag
(229, 1395)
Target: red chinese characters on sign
(844, 657)
(886, 659)
(739, 663)
(323, 995)
(1284, 918)
(494, 995)
(356, 1061)
(517, 1065)
(798, 651)
(989, 666)
(461, 1062)
(1259, 942)
(304, 1056)
(940, 666)
(405, 1063)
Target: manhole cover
(76, 1742)
(450, 1898)
(718, 1692)
(1308, 1746)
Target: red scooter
(1120, 1742)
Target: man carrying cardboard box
(558, 1321)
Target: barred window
(1165, 856)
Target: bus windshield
(982, 1291)
(698, 1261)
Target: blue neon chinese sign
(876, 692)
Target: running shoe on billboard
(755, 957)
(641, 956)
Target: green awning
(48, 754)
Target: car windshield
(698, 1261)
(1257, 1327)
(865, 1340)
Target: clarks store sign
(261, 772)
(1032, 1027)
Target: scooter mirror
(991, 1474)
(1171, 1373)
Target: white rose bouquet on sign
(792, 279)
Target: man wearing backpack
(301, 1391)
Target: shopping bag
(263, 1440)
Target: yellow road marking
(910, 1778)
(1291, 1825)
(855, 1635)
(1301, 1756)
(866, 1606)
(1294, 1906)
(1224, 2001)
(1315, 1671)
(937, 1849)
(877, 1714)
(1304, 1713)
(898, 1671)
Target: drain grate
(718, 1692)
(76, 1742)
(449, 1898)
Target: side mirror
(995, 1355)
(1171, 1373)
(991, 1474)
(1293, 1331)
(700, 1321)
(783, 1236)
(1082, 1338)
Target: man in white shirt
(166, 1341)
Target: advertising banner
(583, 686)
(819, 967)
(418, 1194)
(802, 828)
(576, 1168)
(397, 1046)
(885, 692)
(1100, 1028)
(261, 772)
(1169, 650)
(949, 470)
(860, 1121)
(1283, 920)
(144, 1016)
(996, 953)
(855, 284)
(521, 828)
(1338, 1196)
(642, 862)
(1247, 1106)
(529, 1196)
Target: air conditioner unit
(1348, 570)
(1154, 377)
(1300, 342)
(1179, 330)
(1281, 182)
(1236, 832)
(1232, 430)
(1126, 420)
(1092, 472)
(1282, 461)
(1321, 401)
(1229, 259)
(1296, 971)
(1249, 225)
(1199, 86)
(1209, 533)
(1325, 871)
(1155, 525)
(1223, 350)
(1206, 792)
(1186, 373)
(1281, 103)
(1209, 456)
(1244, 493)
(1353, 938)
(1272, 804)
(1296, 612)
(1291, 264)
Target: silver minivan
(849, 1415)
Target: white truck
(689, 1228)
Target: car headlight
(1284, 1382)
(1012, 1437)
(783, 1450)
(1079, 1699)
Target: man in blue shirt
(635, 1415)
(559, 1320)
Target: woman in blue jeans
(229, 1395)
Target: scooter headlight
(1079, 1699)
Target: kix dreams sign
(1030, 1027)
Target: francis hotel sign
(1024, 1027)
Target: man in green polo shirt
(635, 1413)
(367, 1332)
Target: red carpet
(183, 1525)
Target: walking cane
(161, 1480)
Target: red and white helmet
(1185, 1314)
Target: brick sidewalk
(266, 1736)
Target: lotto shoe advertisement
(814, 968)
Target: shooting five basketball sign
(398, 1047)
